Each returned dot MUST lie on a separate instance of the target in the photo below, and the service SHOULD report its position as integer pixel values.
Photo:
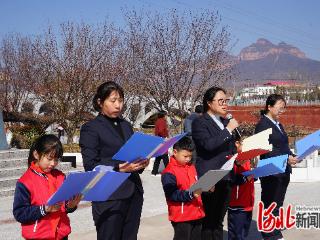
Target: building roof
(280, 83)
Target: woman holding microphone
(212, 134)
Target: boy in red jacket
(185, 208)
(241, 201)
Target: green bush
(24, 136)
(72, 148)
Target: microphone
(229, 117)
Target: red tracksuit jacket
(176, 180)
(242, 195)
(37, 187)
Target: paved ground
(154, 223)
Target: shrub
(72, 148)
(24, 136)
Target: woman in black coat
(211, 133)
(274, 187)
(118, 218)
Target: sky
(295, 22)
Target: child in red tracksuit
(34, 188)
(241, 201)
(185, 208)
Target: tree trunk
(70, 134)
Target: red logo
(267, 222)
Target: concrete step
(7, 192)
(22, 162)
(12, 171)
(8, 182)
(64, 167)
(11, 175)
(13, 154)
(14, 162)
(77, 169)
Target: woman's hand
(292, 160)
(233, 124)
(73, 202)
(134, 166)
(53, 208)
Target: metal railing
(253, 102)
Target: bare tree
(164, 61)
(174, 58)
(71, 65)
(16, 64)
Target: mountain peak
(263, 41)
(263, 48)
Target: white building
(257, 91)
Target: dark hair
(271, 101)
(198, 108)
(162, 113)
(46, 144)
(209, 95)
(236, 136)
(184, 143)
(104, 91)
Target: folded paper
(258, 141)
(208, 180)
(269, 166)
(252, 147)
(97, 185)
(143, 146)
(308, 145)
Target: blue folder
(143, 146)
(308, 145)
(269, 166)
(97, 185)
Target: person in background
(274, 187)
(161, 130)
(9, 135)
(187, 126)
(60, 132)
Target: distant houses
(291, 89)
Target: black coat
(99, 141)
(278, 139)
(213, 145)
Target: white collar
(217, 119)
(215, 116)
(272, 120)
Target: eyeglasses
(221, 101)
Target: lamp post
(3, 139)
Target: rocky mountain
(263, 48)
(265, 60)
